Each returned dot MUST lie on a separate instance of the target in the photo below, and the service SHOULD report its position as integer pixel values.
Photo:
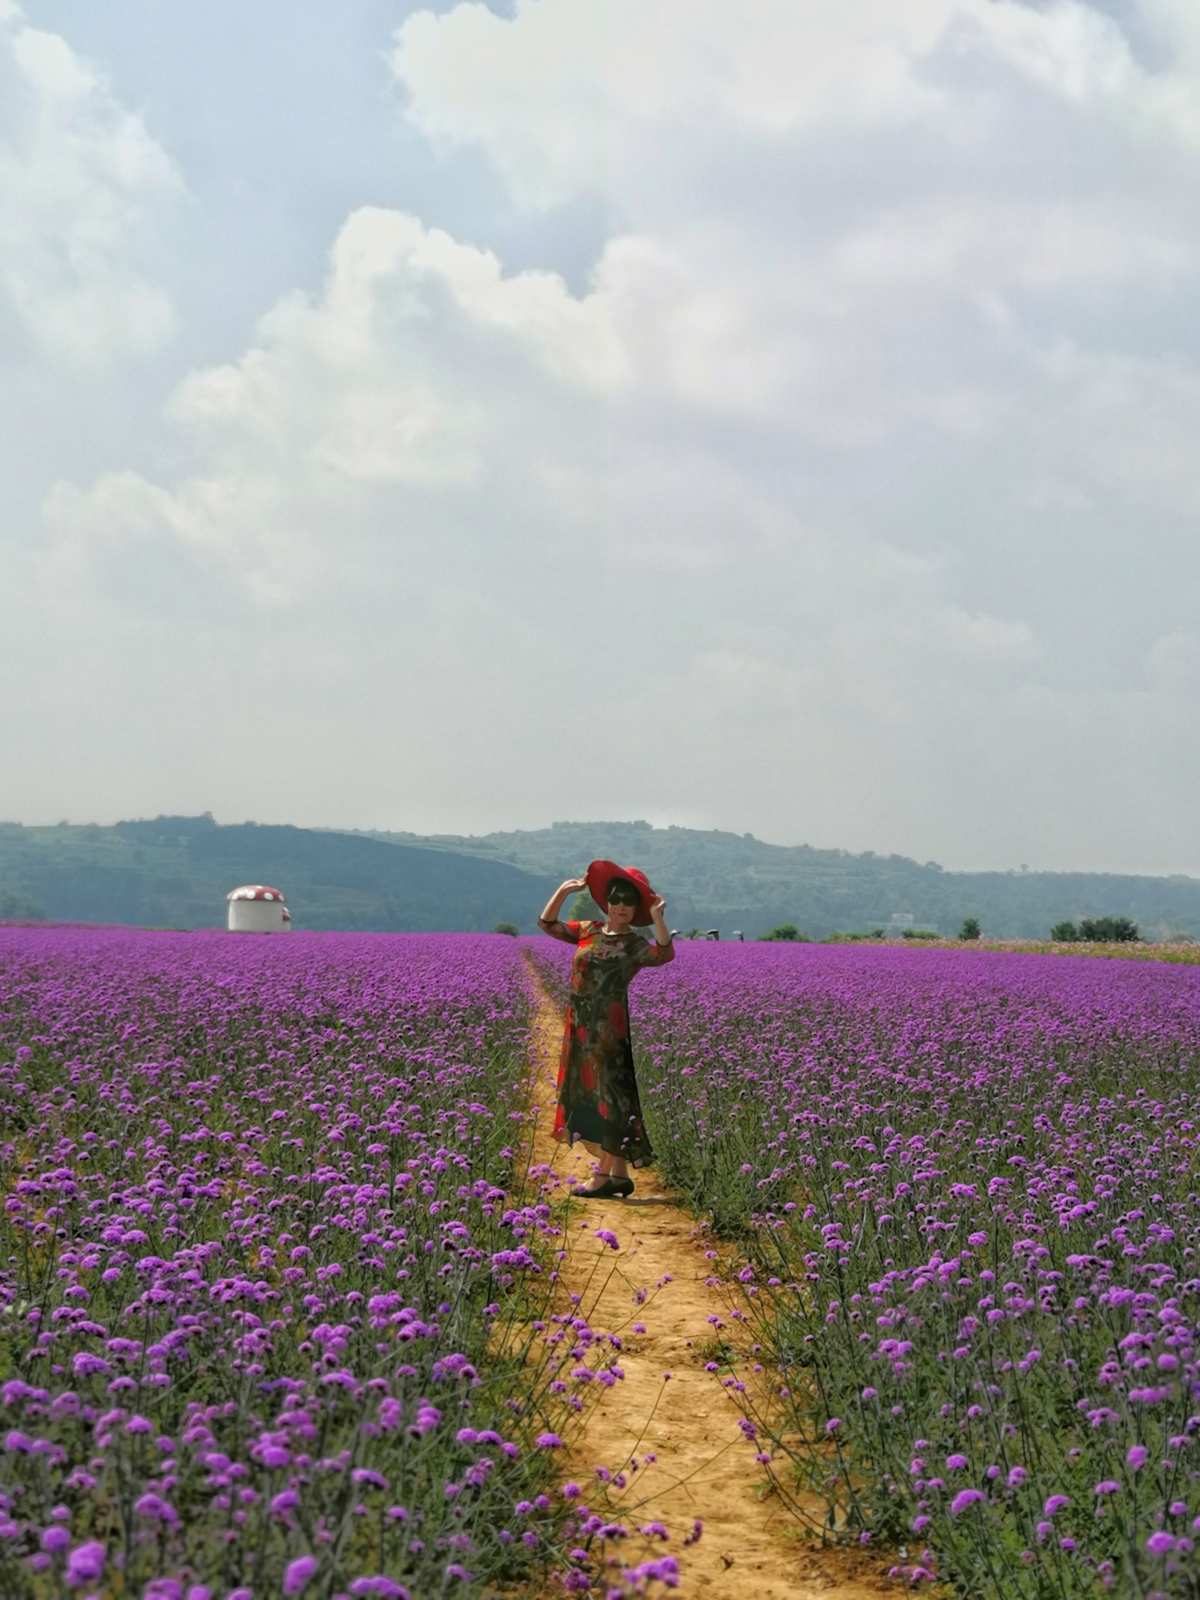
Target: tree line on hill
(19, 908)
(1102, 930)
(1099, 930)
(715, 878)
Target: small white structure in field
(257, 908)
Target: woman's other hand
(658, 907)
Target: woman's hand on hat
(572, 885)
(658, 905)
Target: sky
(453, 417)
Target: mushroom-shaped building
(257, 908)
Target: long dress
(597, 1092)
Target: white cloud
(578, 96)
(998, 244)
(1069, 48)
(394, 384)
(391, 282)
(624, 99)
(82, 183)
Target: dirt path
(702, 1466)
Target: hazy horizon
(785, 416)
(656, 822)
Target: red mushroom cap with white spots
(255, 891)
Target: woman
(597, 1091)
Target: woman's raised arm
(548, 921)
(663, 949)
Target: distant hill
(176, 871)
(733, 880)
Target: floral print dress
(597, 1092)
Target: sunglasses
(624, 897)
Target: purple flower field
(270, 1321)
(275, 1320)
(967, 1186)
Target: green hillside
(175, 872)
(733, 880)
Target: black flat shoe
(610, 1189)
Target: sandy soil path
(702, 1466)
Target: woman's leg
(607, 1166)
(601, 1170)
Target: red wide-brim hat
(600, 875)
